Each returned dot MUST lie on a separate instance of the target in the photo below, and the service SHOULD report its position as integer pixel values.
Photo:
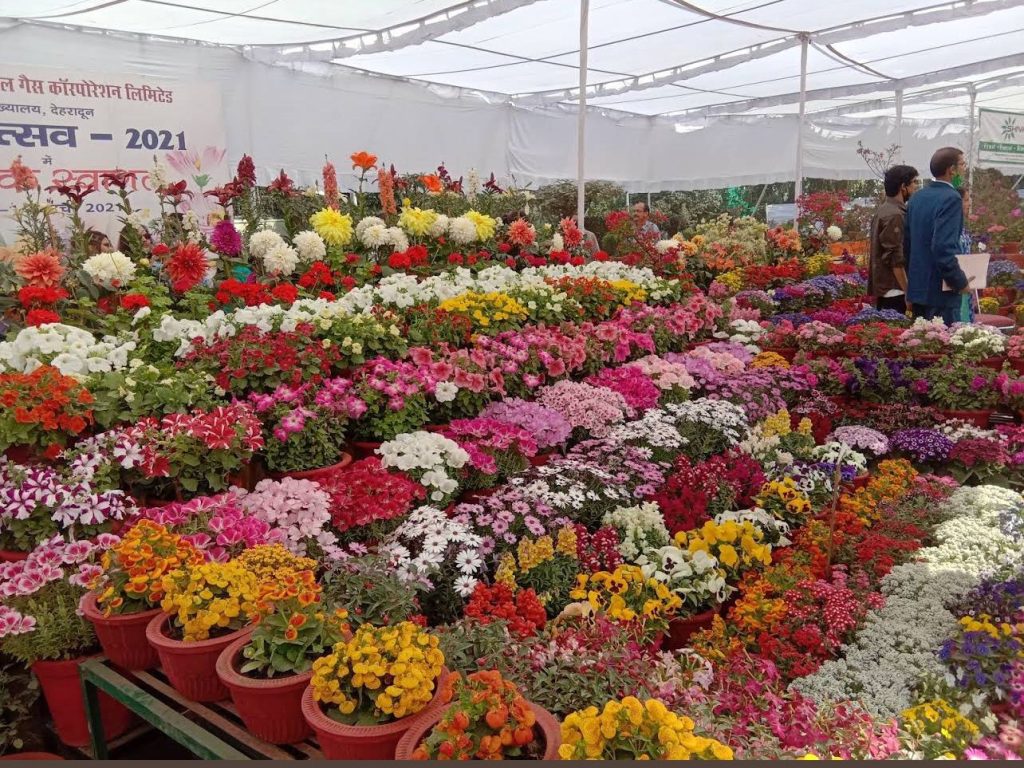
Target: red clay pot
(995, 363)
(32, 756)
(364, 742)
(191, 667)
(123, 638)
(541, 459)
(62, 689)
(12, 555)
(681, 629)
(550, 732)
(788, 353)
(272, 708)
(319, 473)
(1018, 366)
(979, 418)
(364, 450)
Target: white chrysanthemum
(310, 246)
(110, 270)
(557, 243)
(834, 233)
(664, 246)
(462, 230)
(263, 242)
(397, 239)
(281, 260)
(374, 236)
(365, 224)
(440, 226)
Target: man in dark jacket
(932, 240)
(887, 275)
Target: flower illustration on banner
(197, 163)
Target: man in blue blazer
(931, 240)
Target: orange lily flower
(433, 183)
(364, 160)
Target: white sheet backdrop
(291, 119)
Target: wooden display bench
(209, 731)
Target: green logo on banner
(1010, 129)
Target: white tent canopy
(679, 94)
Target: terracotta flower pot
(364, 450)
(364, 742)
(977, 417)
(319, 473)
(272, 708)
(12, 555)
(123, 637)
(540, 459)
(550, 732)
(62, 689)
(681, 629)
(1018, 366)
(787, 353)
(995, 363)
(191, 667)
(22, 454)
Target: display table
(209, 731)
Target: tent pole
(971, 159)
(581, 205)
(804, 39)
(899, 119)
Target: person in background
(642, 220)
(589, 238)
(931, 241)
(967, 307)
(887, 267)
(98, 242)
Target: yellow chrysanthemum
(333, 226)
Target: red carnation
(160, 249)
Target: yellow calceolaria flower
(489, 312)
(733, 280)
(627, 596)
(391, 672)
(211, 599)
(738, 546)
(269, 562)
(534, 552)
(779, 424)
(485, 225)
(819, 264)
(333, 226)
(417, 221)
(638, 730)
(567, 541)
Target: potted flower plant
(40, 627)
(304, 427)
(432, 459)
(127, 589)
(630, 597)
(698, 581)
(268, 671)
(37, 502)
(496, 450)
(979, 344)
(372, 688)
(966, 392)
(549, 429)
(630, 729)
(207, 606)
(43, 411)
(926, 339)
(395, 394)
(489, 719)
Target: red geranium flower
(41, 317)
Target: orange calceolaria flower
(43, 407)
(364, 161)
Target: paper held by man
(975, 266)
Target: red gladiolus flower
(187, 267)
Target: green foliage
(469, 646)
(552, 580)
(271, 652)
(149, 390)
(60, 633)
(558, 200)
(370, 590)
(317, 445)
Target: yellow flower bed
(736, 545)
(626, 595)
(270, 562)
(489, 312)
(633, 730)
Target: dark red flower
(117, 178)
(41, 316)
(246, 173)
(160, 249)
(283, 184)
(186, 267)
(348, 282)
(175, 191)
(74, 192)
(134, 302)
(285, 292)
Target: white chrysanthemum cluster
(263, 242)
(280, 260)
(462, 230)
(310, 246)
(110, 270)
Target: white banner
(72, 127)
(1000, 137)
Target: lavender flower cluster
(925, 446)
